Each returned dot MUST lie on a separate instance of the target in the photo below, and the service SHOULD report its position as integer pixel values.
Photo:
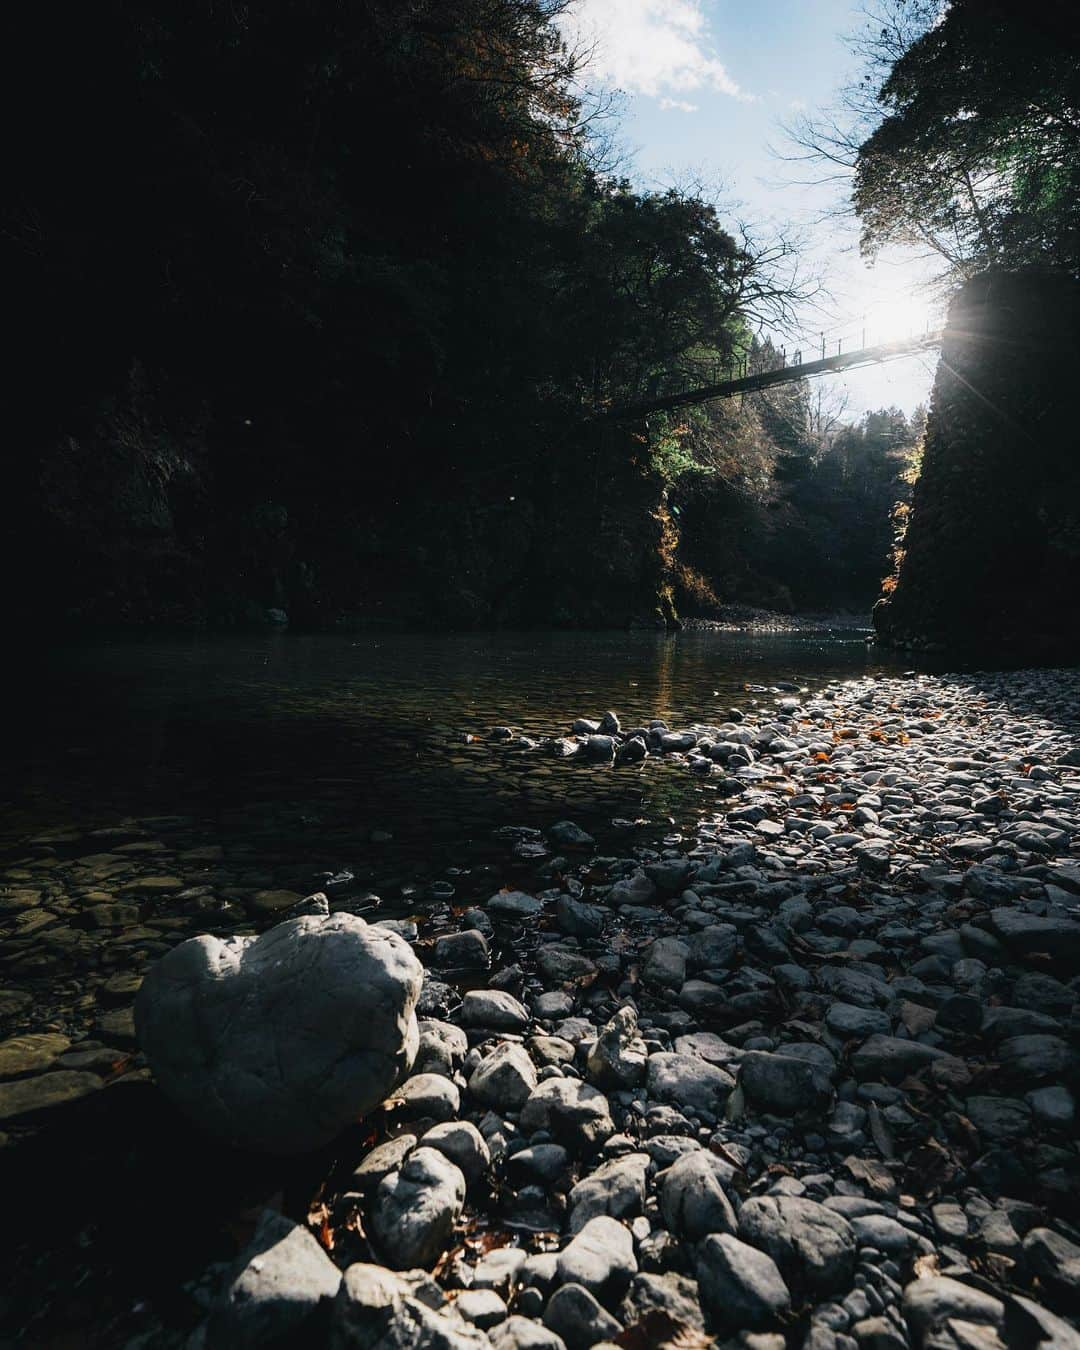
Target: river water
(313, 753)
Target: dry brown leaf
(482, 1243)
(658, 1330)
(880, 1132)
(878, 1180)
(318, 1220)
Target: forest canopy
(323, 305)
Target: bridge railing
(693, 374)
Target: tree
(977, 157)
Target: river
(325, 752)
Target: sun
(888, 320)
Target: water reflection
(307, 744)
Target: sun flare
(898, 317)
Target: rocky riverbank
(807, 1078)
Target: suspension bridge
(711, 380)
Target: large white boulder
(277, 1042)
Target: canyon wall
(991, 556)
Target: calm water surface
(309, 749)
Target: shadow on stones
(116, 1203)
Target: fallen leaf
(881, 1133)
(658, 1330)
(482, 1243)
(877, 1179)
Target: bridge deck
(765, 379)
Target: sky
(705, 86)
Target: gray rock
(574, 1113)
(600, 749)
(539, 1162)
(891, 1058)
(568, 835)
(463, 1144)
(442, 1049)
(694, 1199)
(617, 1059)
(576, 1316)
(494, 1009)
(279, 1290)
(481, 1307)
(685, 1080)
(1054, 1107)
(505, 1078)
(376, 1309)
(680, 741)
(554, 1004)
(670, 875)
(960, 1012)
(578, 919)
(882, 1233)
(1031, 1058)
(714, 947)
(1027, 934)
(708, 1046)
(846, 1019)
(636, 889)
(665, 963)
(381, 1161)
(278, 1042)
(740, 1286)
(632, 751)
(930, 1303)
(1026, 1323)
(560, 964)
(616, 1188)
(675, 1295)
(522, 1333)
(813, 1247)
(514, 906)
(878, 1333)
(499, 1270)
(427, 1096)
(1002, 1023)
(1056, 1261)
(873, 859)
(999, 1120)
(703, 1000)
(600, 1259)
(463, 951)
(412, 1217)
(783, 1085)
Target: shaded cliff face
(992, 552)
(155, 510)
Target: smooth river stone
(278, 1042)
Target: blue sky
(705, 87)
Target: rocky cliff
(991, 557)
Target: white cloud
(678, 105)
(653, 47)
